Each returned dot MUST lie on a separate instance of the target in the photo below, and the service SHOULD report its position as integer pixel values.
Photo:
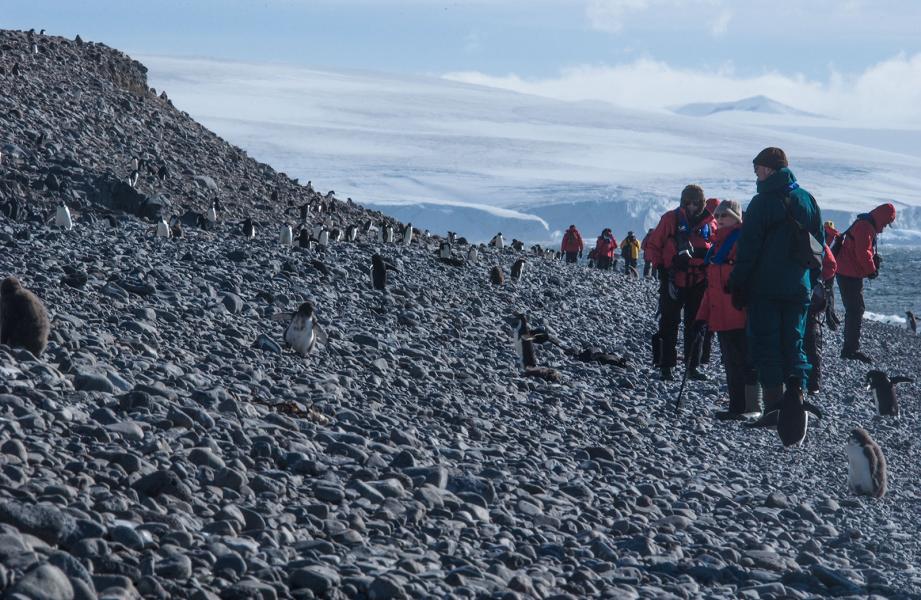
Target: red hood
(883, 215)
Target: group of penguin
(24, 322)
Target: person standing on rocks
(647, 264)
(572, 245)
(769, 278)
(718, 313)
(677, 249)
(831, 317)
(858, 259)
(818, 304)
(604, 249)
(630, 250)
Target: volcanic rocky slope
(165, 445)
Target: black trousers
(647, 268)
(739, 370)
(812, 346)
(572, 257)
(603, 262)
(688, 301)
(852, 298)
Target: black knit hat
(692, 194)
(772, 158)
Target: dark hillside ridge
(74, 114)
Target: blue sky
(809, 53)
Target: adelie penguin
(379, 268)
(496, 276)
(472, 255)
(351, 233)
(212, 214)
(497, 241)
(408, 234)
(163, 229)
(525, 338)
(249, 229)
(866, 472)
(285, 236)
(303, 330)
(884, 391)
(62, 217)
(444, 250)
(304, 240)
(23, 319)
(518, 269)
(792, 418)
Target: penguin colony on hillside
(24, 321)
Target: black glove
(738, 295)
(663, 279)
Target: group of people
(761, 280)
(604, 254)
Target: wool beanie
(772, 158)
(692, 194)
(731, 207)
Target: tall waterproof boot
(752, 398)
(772, 395)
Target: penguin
(249, 230)
(175, 227)
(388, 234)
(408, 234)
(212, 212)
(286, 237)
(133, 178)
(884, 391)
(62, 217)
(303, 330)
(444, 250)
(379, 268)
(452, 237)
(496, 276)
(866, 465)
(303, 239)
(335, 235)
(323, 238)
(911, 322)
(791, 419)
(163, 229)
(24, 321)
(525, 338)
(351, 233)
(472, 255)
(518, 269)
(380, 234)
(305, 212)
(497, 241)
(518, 245)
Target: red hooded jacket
(661, 249)
(855, 259)
(572, 241)
(605, 247)
(829, 265)
(716, 307)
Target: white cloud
(721, 24)
(886, 94)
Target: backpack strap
(720, 257)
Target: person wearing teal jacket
(770, 281)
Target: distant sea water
(897, 289)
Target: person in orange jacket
(857, 259)
(677, 248)
(572, 245)
(720, 316)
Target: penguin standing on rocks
(163, 229)
(62, 217)
(304, 240)
(24, 321)
(791, 418)
(351, 233)
(472, 255)
(866, 472)
(911, 321)
(323, 238)
(303, 330)
(884, 391)
(525, 338)
(518, 269)
(213, 213)
(496, 276)
(444, 250)
(249, 230)
(379, 268)
(408, 234)
(286, 236)
(497, 241)
(388, 234)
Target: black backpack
(806, 250)
(839, 241)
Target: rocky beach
(167, 445)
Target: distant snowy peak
(755, 104)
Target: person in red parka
(604, 249)
(677, 248)
(717, 311)
(857, 258)
(572, 245)
(812, 339)
(647, 264)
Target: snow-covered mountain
(448, 155)
(755, 104)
